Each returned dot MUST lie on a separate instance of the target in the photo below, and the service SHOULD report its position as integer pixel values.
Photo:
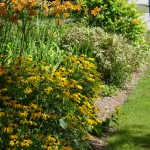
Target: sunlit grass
(133, 131)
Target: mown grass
(143, 8)
(133, 131)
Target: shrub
(80, 40)
(47, 108)
(116, 59)
(117, 16)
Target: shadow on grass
(131, 135)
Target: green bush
(116, 16)
(116, 59)
(81, 40)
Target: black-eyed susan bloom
(17, 106)
(91, 79)
(34, 106)
(13, 136)
(26, 143)
(28, 90)
(23, 114)
(79, 87)
(36, 114)
(14, 143)
(48, 90)
(7, 103)
(67, 148)
(4, 98)
(2, 114)
(57, 142)
(14, 125)
(7, 129)
(3, 90)
(45, 67)
(95, 11)
(45, 116)
(29, 58)
(47, 147)
(32, 123)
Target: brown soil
(107, 107)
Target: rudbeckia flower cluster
(47, 108)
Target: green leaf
(98, 129)
(62, 123)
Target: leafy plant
(80, 40)
(117, 16)
(108, 90)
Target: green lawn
(133, 131)
(143, 8)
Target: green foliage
(39, 40)
(81, 40)
(116, 59)
(147, 38)
(108, 90)
(116, 16)
(43, 107)
(97, 130)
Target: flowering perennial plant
(117, 16)
(59, 9)
(15, 10)
(47, 108)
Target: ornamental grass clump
(47, 108)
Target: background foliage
(117, 16)
(116, 59)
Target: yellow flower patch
(55, 105)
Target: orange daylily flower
(58, 21)
(135, 21)
(77, 7)
(17, 7)
(95, 11)
(66, 15)
(3, 5)
(23, 2)
(14, 1)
